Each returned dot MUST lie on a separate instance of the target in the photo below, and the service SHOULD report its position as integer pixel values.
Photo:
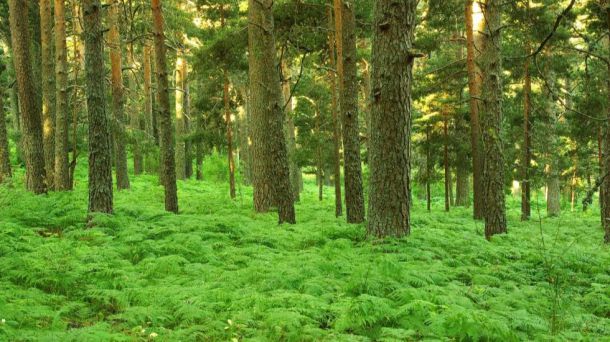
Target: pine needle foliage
(219, 272)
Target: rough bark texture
(491, 119)
(180, 119)
(552, 146)
(118, 101)
(62, 174)
(606, 185)
(5, 163)
(271, 173)
(31, 125)
(100, 166)
(392, 64)
(348, 99)
(473, 46)
(48, 89)
(231, 161)
(332, 79)
(166, 133)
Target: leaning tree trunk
(348, 88)
(473, 46)
(5, 162)
(62, 173)
(392, 64)
(167, 141)
(336, 123)
(491, 120)
(48, 89)
(118, 101)
(31, 125)
(271, 173)
(100, 159)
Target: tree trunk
(148, 109)
(335, 112)
(100, 165)
(446, 161)
(462, 193)
(62, 175)
(428, 170)
(5, 162)
(188, 154)
(526, 208)
(135, 121)
(347, 68)
(79, 59)
(392, 65)
(180, 120)
(271, 173)
(491, 120)
(553, 145)
(32, 141)
(118, 101)
(229, 135)
(295, 170)
(473, 45)
(48, 89)
(245, 157)
(165, 121)
(606, 185)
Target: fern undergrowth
(219, 272)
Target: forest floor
(219, 272)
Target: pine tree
(62, 175)
(100, 165)
(392, 64)
(167, 140)
(271, 174)
(48, 89)
(31, 125)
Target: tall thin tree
(62, 175)
(48, 89)
(167, 140)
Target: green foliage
(218, 272)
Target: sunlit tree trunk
(347, 68)
(271, 172)
(491, 120)
(32, 141)
(118, 100)
(332, 78)
(166, 133)
(100, 164)
(392, 63)
(48, 89)
(180, 119)
(474, 27)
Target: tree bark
(392, 65)
(473, 46)
(180, 119)
(606, 184)
(335, 112)
(245, 156)
(229, 135)
(271, 173)
(79, 64)
(100, 164)
(5, 162)
(347, 67)
(552, 146)
(446, 160)
(526, 208)
(48, 90)
(148, 109)
(32, 141)
(118, 101)
(295, 170)
(165, 121)
(62, 174)
(491, 120)
(135, 120)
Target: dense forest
(304, 170)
